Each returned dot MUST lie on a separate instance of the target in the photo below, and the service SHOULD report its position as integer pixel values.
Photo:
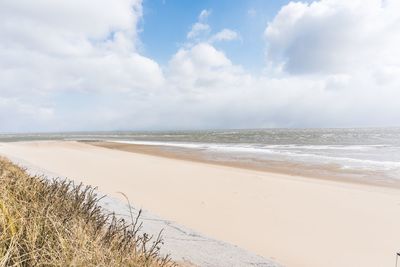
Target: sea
(362, 153)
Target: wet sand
(325, 172)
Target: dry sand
(295, 220)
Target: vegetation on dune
(56, 223)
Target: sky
(176, 65)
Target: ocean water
(368, 151)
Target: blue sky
(166, 23)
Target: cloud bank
(69, 66)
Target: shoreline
(293, 220)
(319, 172)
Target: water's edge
(361, 153)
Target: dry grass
(57, 223)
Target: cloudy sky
(171, 64)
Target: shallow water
(369, 150)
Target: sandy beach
(297, 221)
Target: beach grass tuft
(57, 223)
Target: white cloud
(16, 115)
(329, 63)
(204, 14)
(201, 28)
(200, 31)
(66, 66)
(197, 30)
(48, 25)
(48, 47)
(201, 68)
(224, 35)
(335, 36)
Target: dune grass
(56, 223)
